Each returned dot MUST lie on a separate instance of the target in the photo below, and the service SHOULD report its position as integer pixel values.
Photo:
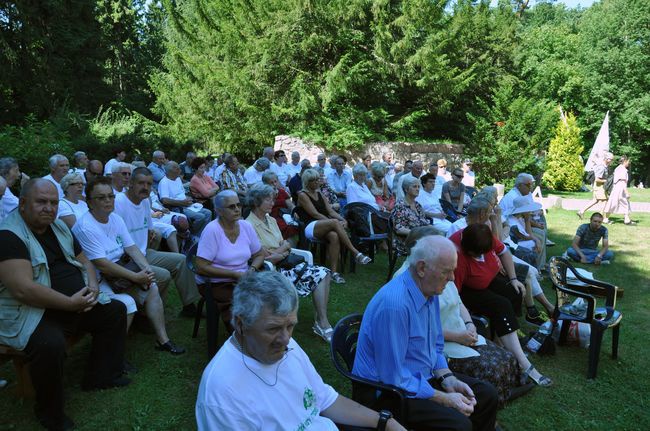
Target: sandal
(362, 259)
(337, 278)
(170, 347)
(542, 381)
(325, 334)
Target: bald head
(39, 203)
(431, 249)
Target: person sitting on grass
(584, 248)
(48, 289)
(261, 378)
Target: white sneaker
(605, 262)
(565, 255)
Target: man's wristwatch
(384, 416)
(443, 377)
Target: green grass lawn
(638, 195)
(163, 393)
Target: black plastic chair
(212, 314)
(599, 318)
(393, 253)
(315, 244)
(343, 349)
(370, 240)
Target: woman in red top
(202, 187)
(485, 290)
(282, 202)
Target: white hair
(256, 291)
(117, 167)
(55, 159)
(360, 169)
(158, 153)
(428, 249)
(221, 198)
(523, 178)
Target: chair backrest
(565, 292)
(191, 255)
(363, 212)
(343, 347)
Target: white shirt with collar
(58, 186)
(360, 193)
(253, 176)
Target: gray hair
(55, 159)
(477, 207)
(309, 175)
(429, 249)
(258, 193)
(305, 162)
(170, 165)
(66, 180)
(523, 178)
(158, 153)
(295, 153)
(7, 164)
(488, 192)
(256, 291)
(221, 197)
(117, 167)
(360, 169)
(263, 163)
(190, 154)
(378, 168)
(268, 176)
(407, 182)
(78, 155)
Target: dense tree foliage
(231, 74)
(564, 166)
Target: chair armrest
(309, 258)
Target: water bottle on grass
(540, 336)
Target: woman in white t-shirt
(104, 237)
(72, 207)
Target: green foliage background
(564, 167)
(231, 74)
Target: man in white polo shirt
(172, 194)
(135, 209)
(59, 167)
(253, 174)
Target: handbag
(119, 284)
(291, 261)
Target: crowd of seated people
(240, 219)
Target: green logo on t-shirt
(308, 398)
(119, 241)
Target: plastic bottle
(537, 340)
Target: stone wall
(402, 151)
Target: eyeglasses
(234, 207)
(76, 184)
(126, 174)
(440, 166)
(104, 197)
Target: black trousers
(46, 351)
(499, 302)
(425, 415)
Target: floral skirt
(308, 280)
(495, 365)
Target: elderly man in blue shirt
(401, 343)
(339, 179)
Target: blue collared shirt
(338, 182)
(401, 341)
(158, 173)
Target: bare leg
(324, 226)
(172, 243)
(320, 298)
(541, 298)
(155, 311)
(333, 250)
(590, 204)
(129, 320)
(511, 343)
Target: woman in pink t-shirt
(202, 187)
(226, 246)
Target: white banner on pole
(600, 146)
